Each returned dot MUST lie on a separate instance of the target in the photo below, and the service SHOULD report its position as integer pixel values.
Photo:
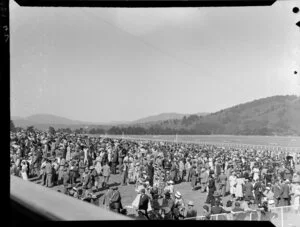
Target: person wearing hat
(268, 194)
(115, 203)
(203, 180)
(170, 187)
(191, 211)
(150, 172)
(167, 206)
(258, 191)
(105, 174)
(143, 203)
(106, 199)
(193, 175)
(81, 166)
(72, 170)
(248, 190)
(285, 193)
(211, 189)
(217, 209)
(222, 181)
(154, 214)
(179, 206)
(86, 180)
(49, 173)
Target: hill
(163, 117)
(276, 115)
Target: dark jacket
(276, 189)
(143, 204)
(115, 200)
(285, 191)
(218, 210)
(191, 213)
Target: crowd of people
(245, 178)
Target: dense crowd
(251, 179)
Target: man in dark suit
(285, 193)
(216, 209)
(143, 204)
(258, 191)
(150, 172)
(193, 175)
(222, 180)
(248, 188)
(276, 189)
(211, 188)
(115, 200)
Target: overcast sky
(113, 64)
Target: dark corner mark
(136, 3)
(295, 10)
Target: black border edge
(137, 3)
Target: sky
(122, 64)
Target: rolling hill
(276, 115)
(163, 117)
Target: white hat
(170, 182)
(177, 194)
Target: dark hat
(167, 193)
(114, 188)
(69, 186)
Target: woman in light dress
(240, 181)
(131, 171)
(232, 182)
(24, 169)
(255, 172)
(297, 197)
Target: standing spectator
(239, 187)
(203, 179)
(276, 189)
(105, 174)
(222, 179)
(143, 203)
(115, 203)
(193, 176)
(285, 193)
(211, 189)
(107, 197)
(191, 212)
(24, 169)
(258, 191)
(232, 183)
(248, 190)
(49, 173)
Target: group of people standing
(84, 165)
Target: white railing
(280, 216)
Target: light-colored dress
(239, 187)
(255, 173)
(98, 166)
(232, 183)
(297, 197)
(24, 172)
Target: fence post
(282, 222)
